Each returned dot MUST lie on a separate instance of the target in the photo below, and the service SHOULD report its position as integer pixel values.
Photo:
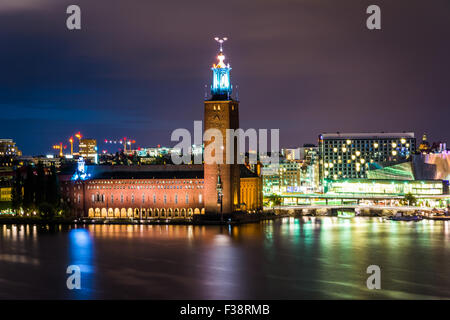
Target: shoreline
(200, 220)
(102, 221)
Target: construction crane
(78, 135)
(60, 147)
(71, 145)
(125, 141)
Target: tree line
(37, 191)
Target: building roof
(367, 135)
(146, 172)
(155, 172)
(246, 173)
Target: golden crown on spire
(220, 56)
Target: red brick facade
(138, 198)
(122, 192)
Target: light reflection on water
(290, 258)
(80, 244)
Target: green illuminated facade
(387, 187)
(400, 171)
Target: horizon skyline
(54, 152)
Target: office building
(349, 155)
(88, 150)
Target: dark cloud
(138, 68)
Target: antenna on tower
(206, 92)
(221, 41)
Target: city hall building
(171, 191)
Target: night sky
(138, 68)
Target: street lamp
(219, 193)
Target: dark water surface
(315, 258)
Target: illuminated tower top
(221, 87)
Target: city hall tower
(222, 187)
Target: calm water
(318, 258)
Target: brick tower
(222, 188)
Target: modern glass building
(349, 155)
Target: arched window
(200, 198)
(165, 199)
(154, 198)
(143, 198)
(121, 198)
(176, 198)
(132, 198)
(187, 198)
